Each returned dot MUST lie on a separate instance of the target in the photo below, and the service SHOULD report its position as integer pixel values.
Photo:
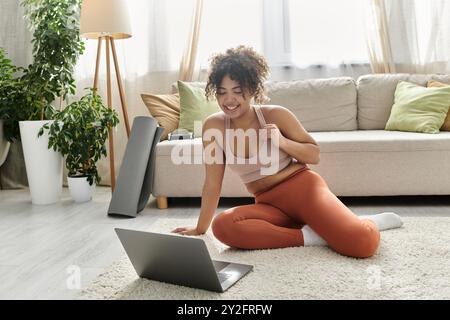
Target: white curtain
(188, 61)
(420, 35)
(15, 37)
(328, 38)
(227, 24)
(378, 38)
(277, 33)
(299, 38)
(416, 34)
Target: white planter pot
(79, 189)
(4, 145)
(44, 166)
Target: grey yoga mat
(135, 181)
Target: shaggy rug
(412, 262)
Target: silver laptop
(178, 260)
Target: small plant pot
(79, 188)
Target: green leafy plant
(11, 94)
(79, 133)
(7, 69)
(56, 48)
(16, 101)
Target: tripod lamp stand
(107, 20)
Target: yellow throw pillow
(165, 108)
(437, 84)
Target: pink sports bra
(252, 169)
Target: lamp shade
(105, 18)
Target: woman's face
(230, 97)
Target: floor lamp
(107, 20)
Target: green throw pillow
(194, 107)
(418, 109)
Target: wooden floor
(45, 249)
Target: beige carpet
(412, 263)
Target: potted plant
(46, 82)
(7, 71)
(12, 95)
(11, 90)
(79, 133)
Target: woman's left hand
(187, 231)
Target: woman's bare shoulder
(212, 123)
(272, 111)
(215, 121)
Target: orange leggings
(278, 214)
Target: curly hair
(242, 64)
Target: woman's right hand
(187, 231)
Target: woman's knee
(221, 226)
(366, 240)
(361, 242)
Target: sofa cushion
(165, 108)
(376, 96)
(319, 104)
(418, 109)
(384, 163)
(194, 84)
(194, 107)
(380, 141)
(437, 84)
(335, 141)
(353, 163)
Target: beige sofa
(358, 157)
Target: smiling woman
(293, 204)
(243, 65)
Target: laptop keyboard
(223, 276)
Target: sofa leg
(161, 202)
